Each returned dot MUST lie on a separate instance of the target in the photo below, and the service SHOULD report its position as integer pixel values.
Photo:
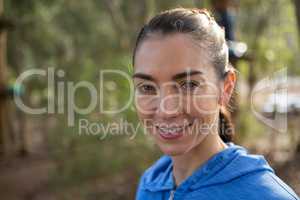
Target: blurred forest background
(44, 158)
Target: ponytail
(226, 128)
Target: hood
(227, 165)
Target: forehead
(164, 56)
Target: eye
(146, 89)
(189, 85)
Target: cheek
(205, 105)
(204, 110)
(146, 105)
(205, 100)
(200, 105)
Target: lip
(172, 133)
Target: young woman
(183, 82)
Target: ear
(228, 87)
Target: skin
(167, 97)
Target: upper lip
(171, 126)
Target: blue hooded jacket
(232, 174)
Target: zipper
(172, 195)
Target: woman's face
(176, 92)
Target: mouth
(172, 132)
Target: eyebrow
(175, 77)
(186, 74)
(143, 76)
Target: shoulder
(266, 186)
(255, 174)
(240, 175)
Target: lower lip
(172, 136)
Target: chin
(172, 150)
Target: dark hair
(199, 24)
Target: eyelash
(189, 85)
(149, 89)
(146, 89)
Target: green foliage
(248, 127)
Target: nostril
(169, 108)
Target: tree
(297, 11)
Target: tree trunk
(4, 137)
(297, 11)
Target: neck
(184, 165)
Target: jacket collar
(160, 176)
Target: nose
(169, 104)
